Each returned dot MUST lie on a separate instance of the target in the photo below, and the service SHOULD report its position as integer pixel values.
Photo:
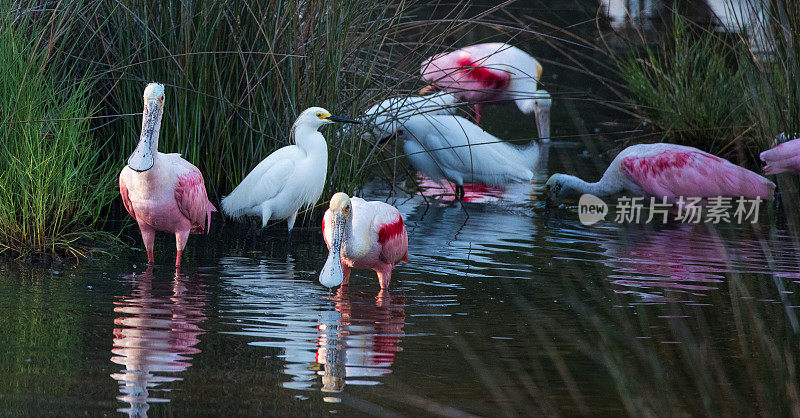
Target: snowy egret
(163, 192)
(386, 116)
(491, 73)
(362, 234)
(782, 158)
(289, 178)
(666, 171)
(453, 148)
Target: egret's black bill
(334, 118)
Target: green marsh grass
(54, 184)
(688, 86)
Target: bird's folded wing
(192, 200)
(693, 174)
(123, 189)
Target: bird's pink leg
(180, 242)
(149, 238)
(346, 271)
(477, 110)
(384, 275)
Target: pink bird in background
(782, 158)
(362, 234)
(163, 192)
(491, 73)
(666, 170)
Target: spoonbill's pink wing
(392, 236)
(462, 72)
(190, 195)
(782, 158)
(679, 172)
(123, 190)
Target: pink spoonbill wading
(163, 192)
(491, 73)
(666, 171)
(782, 158)
(362, 234)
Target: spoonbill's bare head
(340, 202)
(142, 158)
(154, 91)
(553, 190)
(314, 117)
(541, 108)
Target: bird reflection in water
(360, 340)
(687, 260)
(156, 331)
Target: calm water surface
(502, 309)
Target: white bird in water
(362, 234)
(387, 116)
(290, 178)
(453, 148)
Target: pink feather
(782, 158)
(686, 171)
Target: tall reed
(53, 184)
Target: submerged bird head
(315, 117)
(143, 158)
(541, 108)
(554, 190)
(341, 214)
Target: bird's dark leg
(459, 192)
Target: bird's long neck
(310, 140)
(604, 187)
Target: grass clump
(772, 71)
(53, 184)
(688, 87)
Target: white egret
(453, 148)
(288, 179)
(386, 116)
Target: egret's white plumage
(388, 115)
(290, 178)
(453, 148)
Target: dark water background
(502, 310)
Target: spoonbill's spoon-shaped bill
(290, 178)
(362, 234)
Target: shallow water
(501, 309)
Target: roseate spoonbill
(362, 234)
(453, 148)
(387, 116)
(782, 158)
(491, 73)
(666, 170)
(289, 178)
(163, 192)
